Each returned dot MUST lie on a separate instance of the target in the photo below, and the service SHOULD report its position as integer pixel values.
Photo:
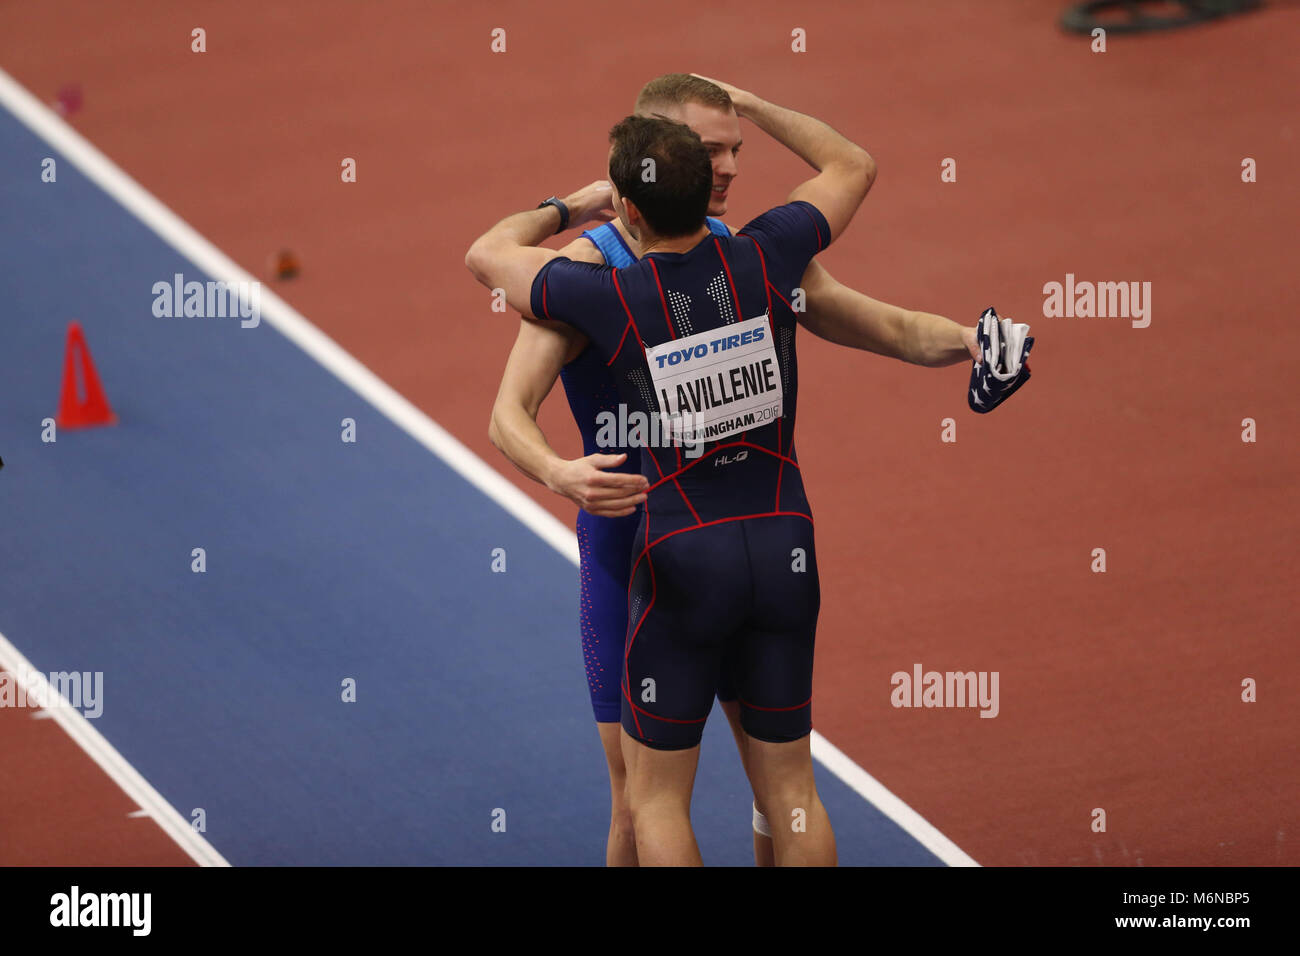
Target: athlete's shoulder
(797, 229)
(562, 288)
(718, 227)
(798, 213)
(613, 246)
(576, 270)
(586, 248)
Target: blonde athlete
(606, 482)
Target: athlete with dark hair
(726, 568)
(605, 482)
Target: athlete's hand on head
(605, 494)
(592, 203)
(740, 99)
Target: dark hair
(672, 190)
(678, 89)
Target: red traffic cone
(93, 410)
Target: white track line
(875, 793)
(76, 726)
(100, 170)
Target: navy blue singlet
(724, 576)
(605, 544)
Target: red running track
(1118, 690)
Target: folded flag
(1003, 367)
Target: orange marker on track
(93, 409)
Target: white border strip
(100, 170)
(76, 726)
(875, 793)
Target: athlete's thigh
(688, 594)
(605, 551)
(773, 662)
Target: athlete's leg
(681, 609)
(620, 848)
(783, 775)
(773, 675)
(603, 546)
(659, 784)
(763, 852)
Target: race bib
(716, 384)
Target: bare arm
(505, 256)
(844, 316)
(845, 171)
(835, 312)
(541, 349)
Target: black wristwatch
(564, 212)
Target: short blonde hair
(678, 89)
